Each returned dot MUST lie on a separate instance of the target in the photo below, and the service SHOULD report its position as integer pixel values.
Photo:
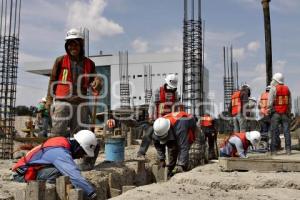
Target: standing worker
(208, 126)
(55, 157)
(176, 131)
(72, 74)
(43, 117)
(164, 101)
(279, 108)
(238, 100)
(237, 144)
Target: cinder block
(114, 192)
(50, 193)
(160, 173)
(61, 183)
(125, 188)
(75, 194)
(35, 190)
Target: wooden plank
(61, 187)
(258, 164)
(75, 194)
(35, 190)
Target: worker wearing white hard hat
(237, 144)
(164, 100)
(279, 108)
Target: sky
(143, 26)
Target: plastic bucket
(114, 149)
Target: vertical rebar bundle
(230, 76)
(297, 106)
(192, 86)
(148, 83)
(268, 40)
(124, 80)
(9, 48)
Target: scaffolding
(9, 48)
(124, 80)
(148, 83)
(230, 76)
(192, 85)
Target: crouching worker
(177, 132)
(237, 144)
(55, 157)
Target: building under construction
(9, 47)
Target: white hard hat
(161, 127)
(245, 85)
(278, 77)
(253, 136)
(44, 99)
(87, 141)
(253, 99)
(74, 34)
(268, 87)
(172, 80)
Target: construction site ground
(203, 182)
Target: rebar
(148, 83)
(124, 80)
(9, 48)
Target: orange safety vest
(30, 171)
(281, 103)
(264, 103)
(65, 80)
(111, 123)
(175, 116)
(206, 121)
(236, 103)
(242, 137)
(164, 107)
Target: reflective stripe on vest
(264, 103)
(206, 121)
(65, 80)
(236, 103)
(242, 137)
(31, 171)
(165, 105)
(281, 103)
(175, 116)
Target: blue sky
(156, 26)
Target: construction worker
(208, 127)
(237, 144)
(279, 109)
(43, 117)
(164, 101)
(71, 77)
(55, 157)
(175, 130)
(238, 101)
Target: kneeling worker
(54, 158)
(237, 144)
(176, 131)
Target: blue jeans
(48, 174)
(284, 121)
(240, 123)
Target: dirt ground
(207, 182)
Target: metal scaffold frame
(9, 48)
(192, 86)
(148, 83)
(124, 80)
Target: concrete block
(20, 195)
(75, 194)
(61, 184)
(125, 188)
(114, 192)
(160, 173)
(50, 193)
(35, 190)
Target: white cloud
(253, 46)
(89, 14)
(140, 46)
(239, 54)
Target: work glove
(97, 85)
(92, 196)
(162, 164)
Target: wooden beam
(259, 164)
